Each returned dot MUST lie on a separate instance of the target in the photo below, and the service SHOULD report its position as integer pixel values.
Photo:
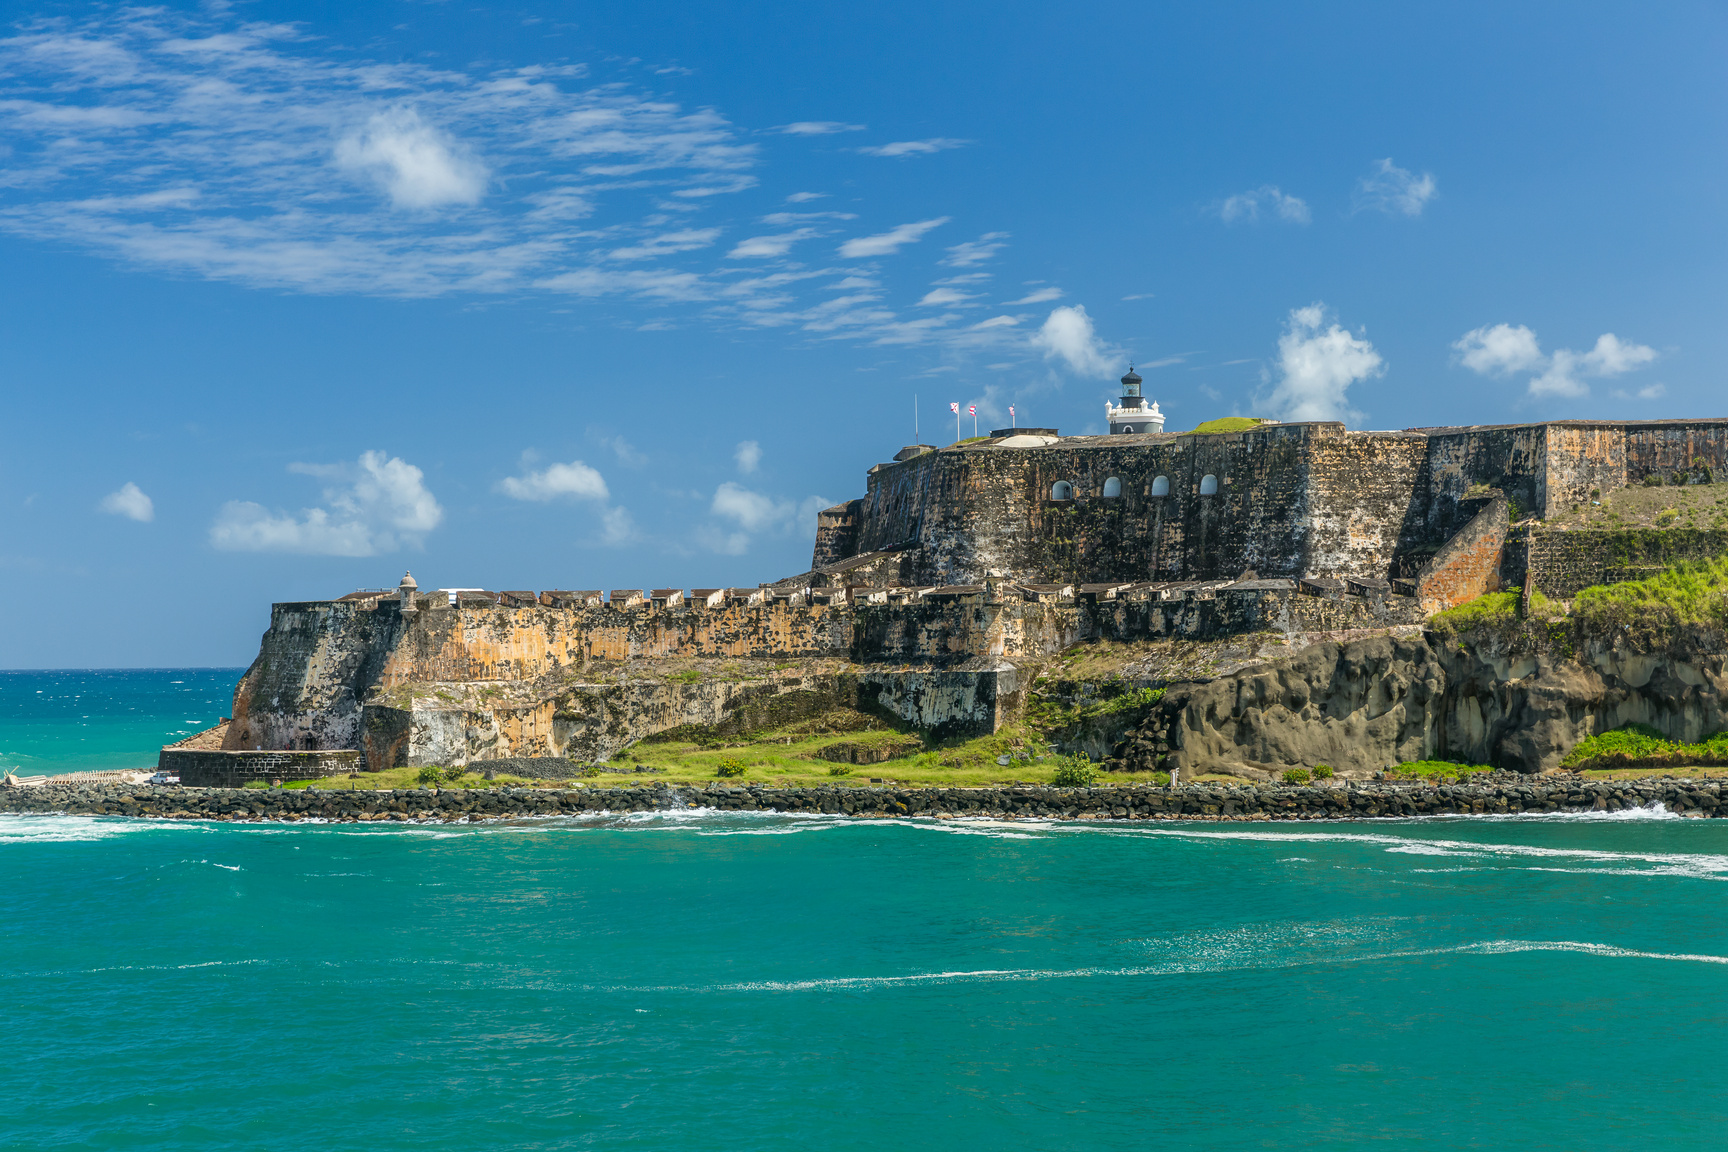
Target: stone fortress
(936, 595)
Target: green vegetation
(1226, 424)
(1684, 594)
(1641, 746)
(1296, 776)
(731, 766)
(1687, 499)
(1074, 772)
(688, 676)
(1048, 715)
(1491, 610)
(1443, 771)
(840, 770)
(1322, 772)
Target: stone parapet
(212, 769)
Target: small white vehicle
(163, 778)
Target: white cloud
(415, 163)
(890, 242)
(622, 448)
(575, 480)
(754, 513)
(377, 505)
(1248, 205)
(975, 251)
(659, 285)
(748, 455)
(1395, 191)
(1504, 349)
(1068, 335)
(818, 128)
(1041, 296)
(905, 149)
(1317, 365)
(130, 502)
(769, 246)
(1648, 392)
(805, 197)
(1499, 350)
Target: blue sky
(296, 296)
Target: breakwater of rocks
(1352, 800)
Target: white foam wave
(1700, 865)
(1170, 968)
(22, 829)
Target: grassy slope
(1693, 505)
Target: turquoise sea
(704, 981)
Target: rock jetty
(1508, 793)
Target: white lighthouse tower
(1134, 415)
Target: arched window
(1126, 428)
(1061, 490)
(1208, 485)
(1112, 487)
(1161, 486)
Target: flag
(971, 409)
(954, 408)
(1010, 409)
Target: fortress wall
(1360, 485)
(1561, 563)
(315, 665)
(1581, 457)
(894, 502)
(1469, 563)
(1666, 447)
(837, 533)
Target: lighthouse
(1134, 415)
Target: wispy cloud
(247, 152)
(1393, 190)
(975, 251)
(889, 242)
(767, 246)
(1268, 198)
(130, 502)
(1041, 296)
(378, 504)
(818, 127)
(748, 456)
(906, 149)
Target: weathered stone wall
(1360, 486)
(837, 533)
(213, 769)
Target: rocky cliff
(1517, 697)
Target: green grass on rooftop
(1226, 424)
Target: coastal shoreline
(1699, 798)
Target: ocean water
(81, 720)
(705, 980)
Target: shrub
(839, 769)
(1666, 517)
(731, 766)
(431, 774)
(1322, 772)
(1074, 772)
(1652, 481)
(1296, 776)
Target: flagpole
(914, 417)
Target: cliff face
(1512, 701)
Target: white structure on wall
(1134, 415)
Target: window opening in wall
(1061, 490)
(1126, 428)
(1161, 486)
(1208, 485)
(1112, 487)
